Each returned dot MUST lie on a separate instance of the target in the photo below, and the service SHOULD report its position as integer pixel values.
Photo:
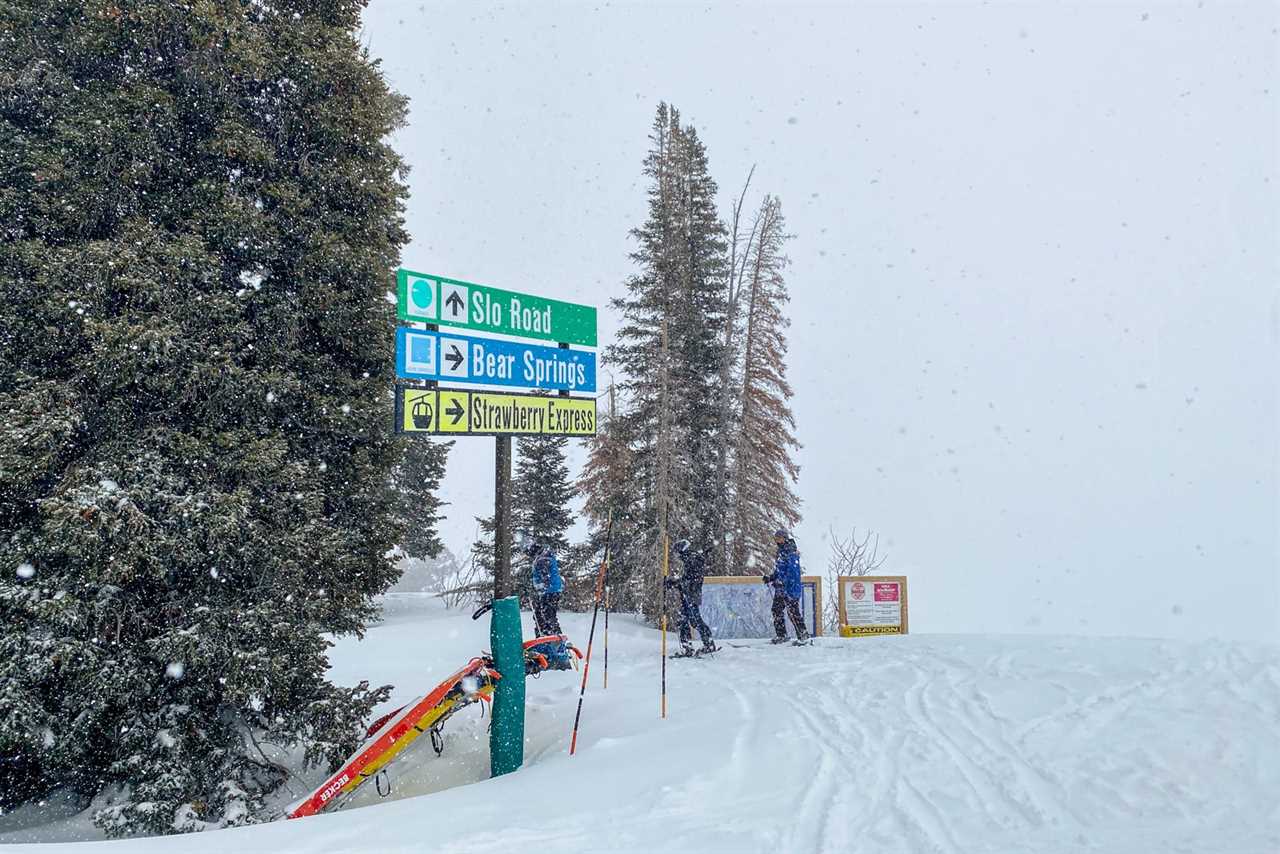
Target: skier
(690, 588)
(547, 586)
(787, 589)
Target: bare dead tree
(733, 300)
(849, 556)
(471, 585)
(764, 471)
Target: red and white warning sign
(873, 605)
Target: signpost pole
(506, 736)
(502, 518)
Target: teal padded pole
(506, 738)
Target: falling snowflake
(346, 409)
(470, 685)
(175, 670)
(26, 570)
(271, 397)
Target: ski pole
(586, 665)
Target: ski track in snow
(914, 745)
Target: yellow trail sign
(458, 412)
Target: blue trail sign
(440, 356)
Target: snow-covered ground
(912, 744)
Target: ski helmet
(782, 534)
(682, 546)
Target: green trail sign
(427, 298)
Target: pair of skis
(805, 642)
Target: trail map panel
(873, 604)
(428, 298)
(738, 606)
(440, 356)
(458, 412)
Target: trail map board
(740, 606)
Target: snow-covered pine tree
(417, 483)
(611, 492)
(540, 494)
(480, 577)
(478, 585)
(669, 347)
(541, 490)
(198, 214)
(764, 471)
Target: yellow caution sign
(457, 412)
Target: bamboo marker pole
(666, 551)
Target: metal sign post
(502, 517)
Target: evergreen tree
(542, 490)
(478, 583)
(669, 348)
(417, 483)
(764, 472)
(580, 566)
(540, 494)
(612, 494)
(198, 213)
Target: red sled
(393, 732)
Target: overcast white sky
(1036, 332)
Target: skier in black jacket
(690, 588)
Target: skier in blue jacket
(787, 588)
(547, 587)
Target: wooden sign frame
(872, 579)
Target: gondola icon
(422, 413)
